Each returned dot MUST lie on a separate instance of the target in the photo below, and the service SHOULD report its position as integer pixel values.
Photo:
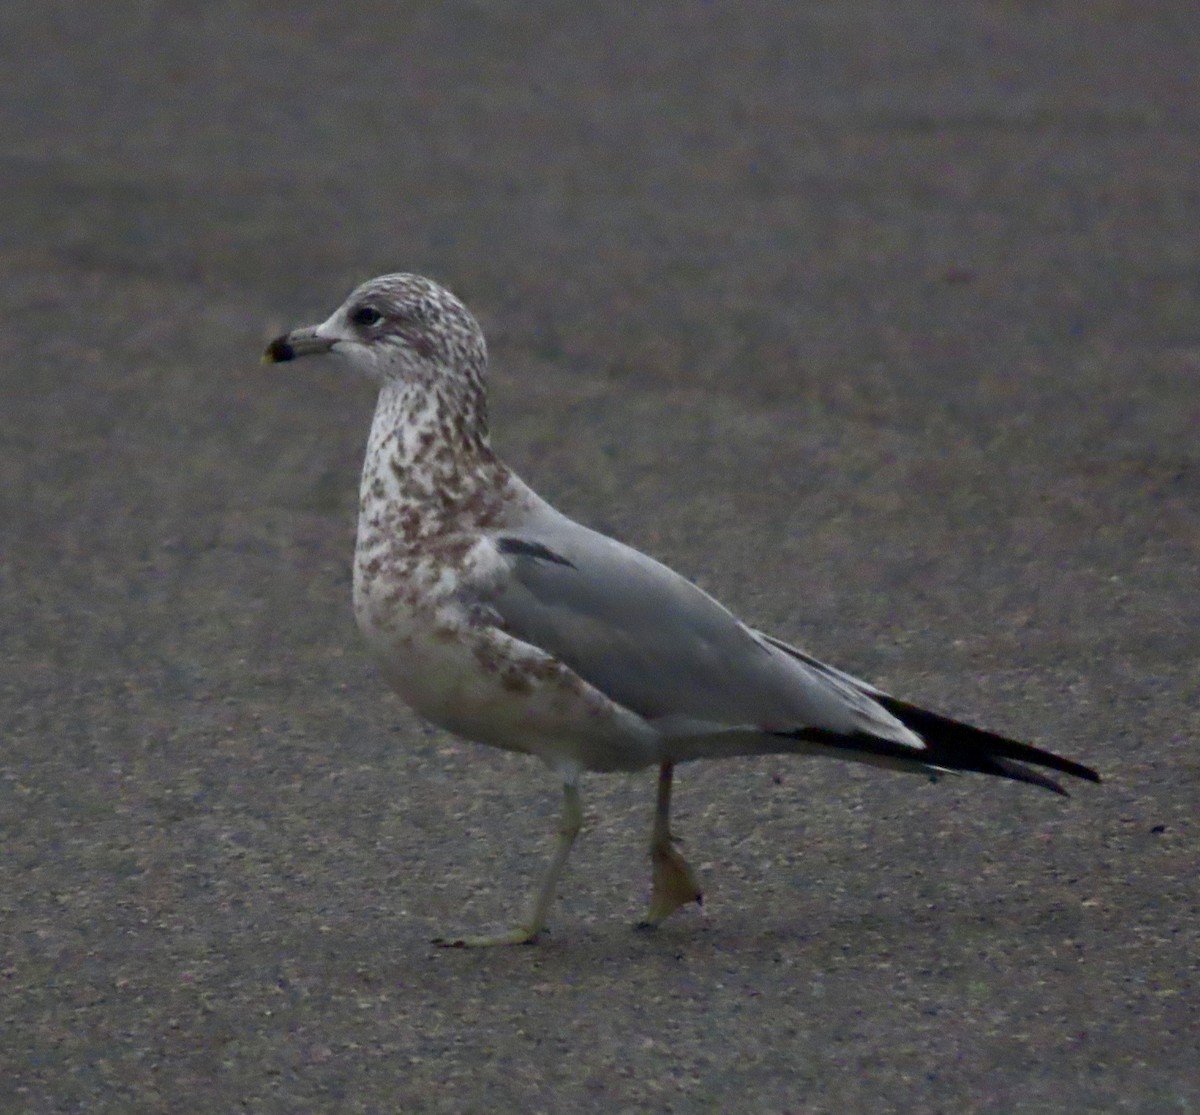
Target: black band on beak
(278, 351)
(301, 342)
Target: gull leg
(526, 933)
(674, 883)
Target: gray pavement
(881, 321)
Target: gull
(497, 617)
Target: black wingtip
(954, 746)
(1017, 773)
(963, 746)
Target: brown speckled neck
(430, 480)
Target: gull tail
(955, 746)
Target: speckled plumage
(432, 496)
(495, 616)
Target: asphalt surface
(881, 321)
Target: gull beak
(297, 343)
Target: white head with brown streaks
(405, 329)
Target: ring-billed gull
(497, 617)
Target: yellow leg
(674, 883)
(539, 906)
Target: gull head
(396, 327)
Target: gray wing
(655, 643)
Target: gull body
(497, 617)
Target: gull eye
(366, 315)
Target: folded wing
(655, 643)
